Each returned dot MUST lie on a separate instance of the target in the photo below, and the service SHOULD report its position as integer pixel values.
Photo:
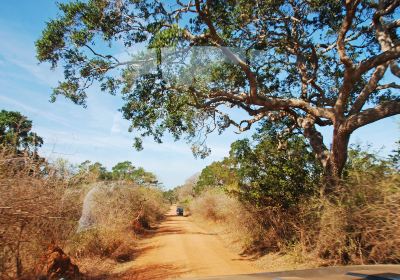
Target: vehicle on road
(179, 211)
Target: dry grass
(33, 213)
(359, 225)
(119, 212)
(363, 225)
(40, 206)
(258, 230)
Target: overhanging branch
(384, 110)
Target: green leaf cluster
(16, 133)
(265, 171)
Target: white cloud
(20, 51)
(45, 114)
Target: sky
(98, 132)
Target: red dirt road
(180, 248)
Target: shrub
(213, 205)
(103, 242)
(358, 225)
(41, 204)
(33, 213)
(258, 230)
(367, 225)
(117, 211)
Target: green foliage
(156, 106)
(284, 52)
(273, 176)
(15, 132)
(166, 37)
(364, 160)
(88, 172)
(266, 172)
(92, 172)
(126, 171)
(122, 170)
(218, 174)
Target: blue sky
(98, 133)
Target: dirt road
(180, 248)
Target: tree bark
(337, 159)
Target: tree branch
(395, 69)
(275, 104)
(386, 86)
(384, 110)
(316, 139)
(228, 53)
(377, 60)
(349, 76)
(346, 24)
(368, 89)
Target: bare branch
(368, 89)
(251, 122)
(100, 55)
(346, 24)
(387, 10)
(395, 69)
(384, 110)
(377, 60)
(315, 137)
(349, 76)
(386, 86)
(393, 24)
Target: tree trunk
(336, 160)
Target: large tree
(308, 64)
(16, 134)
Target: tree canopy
(16, 133)
(306, 64)
(122, 171)
(126, 171)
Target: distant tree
(92, 172)
(122, 170)
(186, 192)
(143, 177)
(310, 63)
(217, 174)
(15, 133)
(171, 196)
(126, 171)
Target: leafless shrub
(41, 204)
(209, 206)
(118, 212)
(360, 225)
(363, 226)
(32, 212)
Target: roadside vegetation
(93, 215)
(290, 69)
(268, 196)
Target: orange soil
(180, 248)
